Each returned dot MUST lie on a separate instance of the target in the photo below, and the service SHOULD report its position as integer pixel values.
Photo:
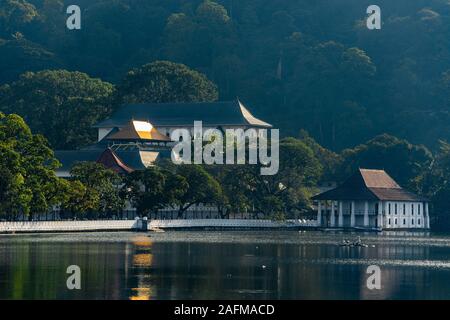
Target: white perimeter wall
(128, 225)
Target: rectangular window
(418, 222)
(389, 208)
(404, 221)
(419, 209)
(395, 221)
(412, 209)
(412, 222)
(395, 208)
(404, 209)
(389, 221)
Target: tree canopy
(59, 104)
(28, 184)
(164, 81)
(288, 60)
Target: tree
(28, 184)
(287, 192)
(59, 104)
(102, 185)
(435, 183)
(15, 15)
(20, 55)
(329, 160)
(401, 159)
(164, 81)
(202, 187)
(153, 189)
(77, 199)
(233, 197)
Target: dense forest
(342, 96)
(309, 64)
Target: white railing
(116, 225)
(67, 226)
(229, 223)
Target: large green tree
(401, 159)
(28, 184)
(285, 194)
(59, 104)
(202, 187)
(164, 81)
(153, 189)
(102, 184)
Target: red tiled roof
(110, 160)
(368, 184)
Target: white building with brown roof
(371, 199)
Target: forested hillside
(309, 64)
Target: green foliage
(28, 183)
(61, 105)
(435, 183)
(296, 63)
(154, 188)
(202, 187)
(164, 81)
(20, 55)
(101, 192)
(15, 16)
(402, 160)
(279, 196)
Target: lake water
(224, 265)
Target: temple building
(136, 135)
(135, 146)
(371, 199)
(167, 117)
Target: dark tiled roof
(69, 158)
(368, 184)
(232, 113)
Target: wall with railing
(139, 224)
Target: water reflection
(199, 265)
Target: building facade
(167, 117)
(371, 199)
(136, 135)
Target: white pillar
(422, 216)
(341, 217)
(319, 214)
(366, 213)
(352, 214)
(380, 214)
(427, 218)
(332, 220)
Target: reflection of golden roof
(142, 260)
(141, 294)
(138, 130)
